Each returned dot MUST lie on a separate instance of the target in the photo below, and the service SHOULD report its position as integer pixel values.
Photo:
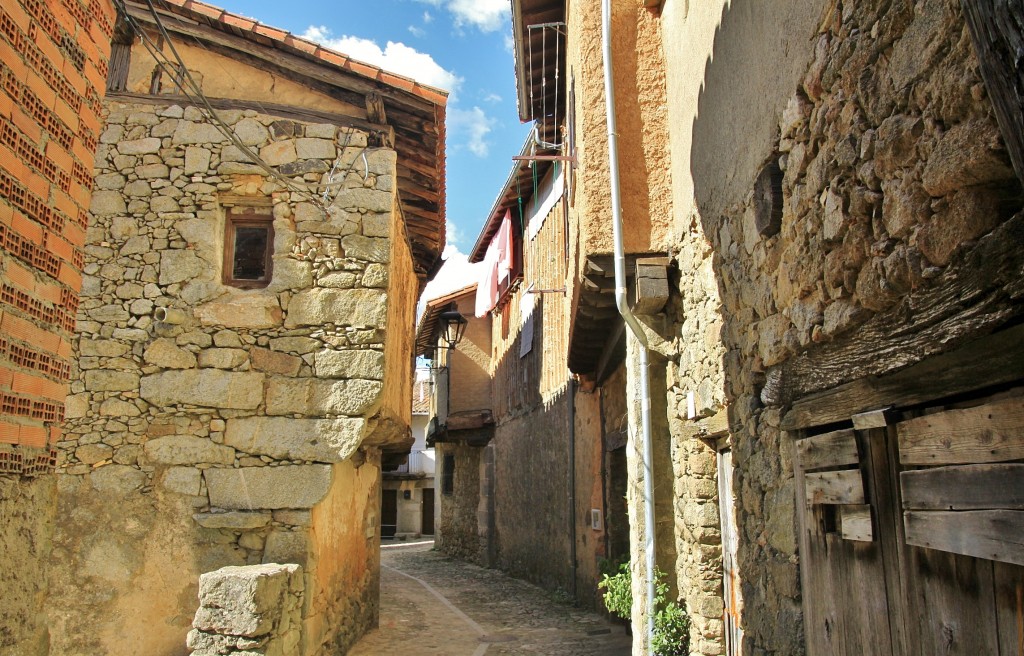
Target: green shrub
(671, 623)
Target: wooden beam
(272, 109)
(835, 449)
(975, 295)
(997, 31)
(990, 360)
(837, 487)
(993, 432)
(966, 487)
(375, 108)
(988, 534)
(855, 523)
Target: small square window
(248, 247)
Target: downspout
(572, 489)
(622, 304)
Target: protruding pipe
(171, 316)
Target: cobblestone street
(432, 604)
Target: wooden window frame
(241, 216)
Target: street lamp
(453, 326)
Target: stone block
(375, 276)
(104, 348)
(93, 453)
(222, 358)
(197, 160)
(315, 149)
(235, 520)
(268, 488)
(287, 547)
(139, 146)
(241, 311)
(179, 266)
(349, 364)
(104, 380)
(76, 406)
(251, 132)
(274, 362)
(118, 408)
(359, 307)
(294, 517)
(182, 480)
(117, 479)
(289, 273)
(153, 171)
(188, 450)
(299, 345)
(286, 438)
(371, 249)
(188, 132)
(362, 198)
(307, 396)
(278, 153)
(968, 154)
(211, 388)
(337, 280)
(107, 202)
(243, 601)
(165, 354)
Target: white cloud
(492, 98)
(456, 273)
(485, 15)
(475, 124)
(394, 57)
(417, 32)
(427, 18)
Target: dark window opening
(448, 475)
(120, 55)
(248, 247)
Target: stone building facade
(241, 368)
(53, 61)
(830, 186)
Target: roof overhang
(429, 324)
(534, 53)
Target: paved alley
(432, 604)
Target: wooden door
(428, 511)
(911, 532)
(388, 513)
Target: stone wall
(891, 167)
(256, 609)
(457, 526)
(240, 430)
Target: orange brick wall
(53, 67)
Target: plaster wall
(642, 122)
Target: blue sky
(463, 46)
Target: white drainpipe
(622, 304)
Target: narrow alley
(433, 604)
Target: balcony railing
(419, 462)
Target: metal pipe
(572, 489)
(622, 303)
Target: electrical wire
(179, 73)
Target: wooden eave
(529, 44)
(428, 326)
(416, 112)
(594, 333)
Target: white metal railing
(419, 462)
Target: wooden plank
(976, 295)
(967, 487)
(988, 534)
(1009, 594)
(838, 487)
(990, 360)
(997, 31)
(872, 419)
(993, 432)
(855, 523)
(834, 449)
(954, 604)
